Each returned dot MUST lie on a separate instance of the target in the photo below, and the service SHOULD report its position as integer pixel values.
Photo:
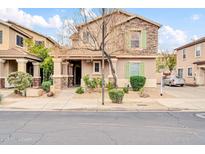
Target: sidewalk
(67, 100)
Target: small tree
(166, 61)
(20, 81)
(42, 52)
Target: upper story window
(184, 53)
(39, 42)
(1, 37)
(96, 67)
(19, 40)
(198, 50)
(86, 37)
(135, 39)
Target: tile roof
(15, 53)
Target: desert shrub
(91, 83)
(20, 81)
(110, 86)
(99, 82)
(46, 85)
(79, 90)
(116, 95)
(137, 82)
(125, 89)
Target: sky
(179, 26)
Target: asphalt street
(17, 127)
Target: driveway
(186, 98)
(186, 92)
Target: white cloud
(170, 38)
(26, 19)
(195, 37)
(195, 17)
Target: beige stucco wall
(188, 62)
(149, 71)
(9, 67)
(12, 39)
(5, 43)
(87, 68)
(37, 37)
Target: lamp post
(103, 60)
(162, 82)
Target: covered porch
(69, 71)
(15, 60)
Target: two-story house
(191, 62)
(132, 44)
(13, 52)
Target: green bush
(20, 81)
(137, 82)
(46, 85)
(125, 89)
(79, 90)
(92, 83)
(116, 95)
(110, 86)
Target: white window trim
(188, 72)
(196, 50)
(16, 41)
(94, 62)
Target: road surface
(17, 127)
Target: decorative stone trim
(36, 82)
(70, 82)
(2, 83)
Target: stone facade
(36, 82)
(2, 83)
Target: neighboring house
(191, 62)
(134, 48)
(14, 55)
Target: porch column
(2, 77)
(114, 62)
(65, 74)
(70, 75)
(22, 65)
(36, 75)
(57, 76)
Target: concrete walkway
(65, 101)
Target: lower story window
(96, 67)
(189, 71)
(180, 72)
(134, 68)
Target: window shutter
(127, 70)
(141, 71)
(143, 41)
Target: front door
(78, 75)
(76, 72)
